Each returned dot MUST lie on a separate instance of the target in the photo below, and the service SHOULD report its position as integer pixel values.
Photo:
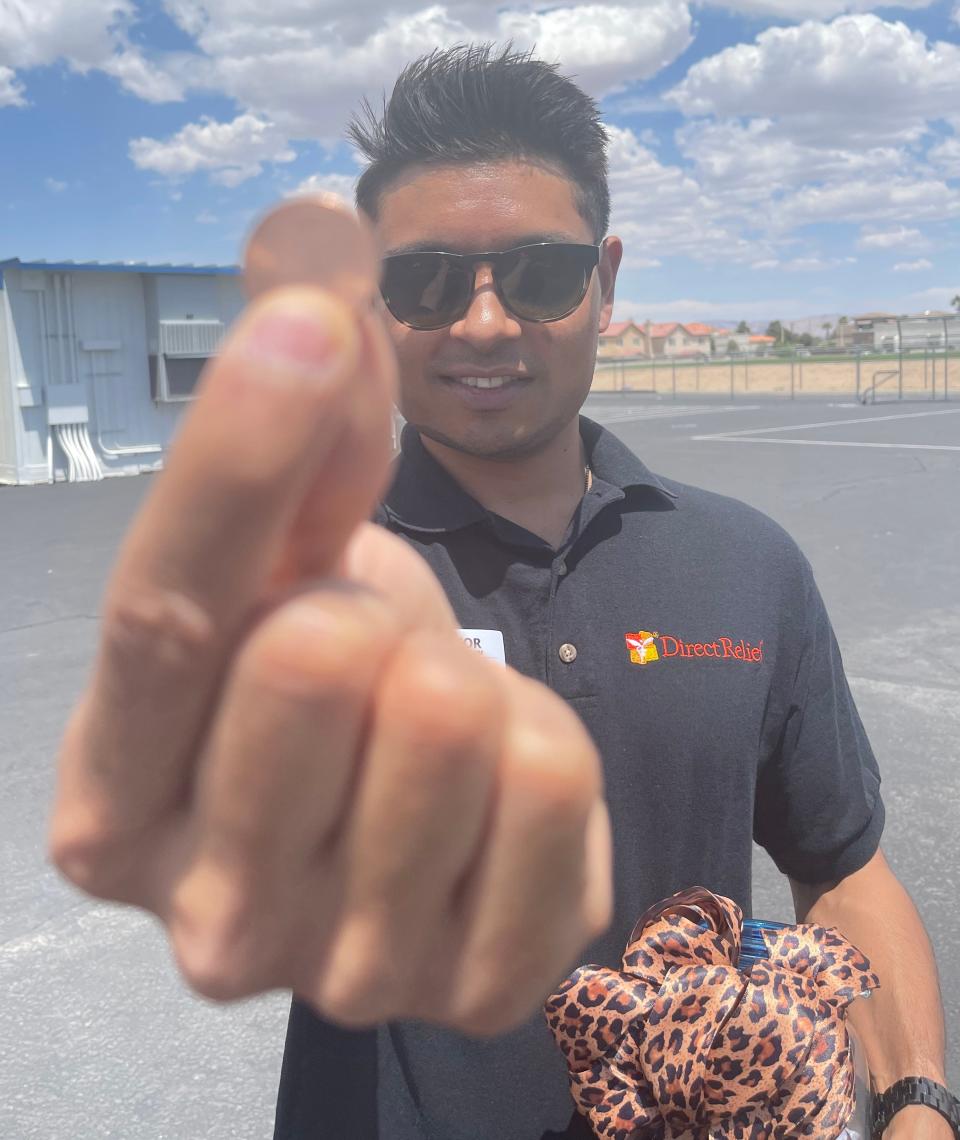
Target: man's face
(486, 208)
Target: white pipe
(56, 305)
(45, 365)
(71, 338)
(83, 434)
(45, 347)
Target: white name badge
(489, 642)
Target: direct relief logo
(646, 647)
(643, 647)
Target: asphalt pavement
(100, 1038)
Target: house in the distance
(758, 344)
(673, 340)
(622, 340)
(917, 332)
(681, 340)
(747, 344)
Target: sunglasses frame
(494, 259)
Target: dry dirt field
(802, 377)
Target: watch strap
(909, 1091)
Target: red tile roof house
(674, 340)
(623, 339)
(760, 344)
(681, 340)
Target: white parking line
(832, 443)
(763, 435)
(659, 413)
(831, 423)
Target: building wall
(128, 429)
(8, 435)
(24, 376)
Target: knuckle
(562, 768)
(217, 941)
(97, 859)
(362, 985)
(87, 860)
(446, 696)
(150, 626)
(360, 997)
(319, 642)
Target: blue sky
(770, 158)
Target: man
(331, 792)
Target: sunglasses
(542, 283)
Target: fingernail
(298, 332)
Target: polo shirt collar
(424, 496)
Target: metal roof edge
(120, 267)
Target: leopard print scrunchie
(680, 1045)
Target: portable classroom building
(98, 360)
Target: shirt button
(568, 653)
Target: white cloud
(749, 161)
(811, 9)
(231, 152)
(862, 200)
(851, 82)
(83, 32)
(661, 210)
(305, 66)
(342, 185)
(912, 266)
(54, 185)
(11, 92)
(945, 156)
(691, 309)
(606, 45)
(936, 297)
(206, 218)
(902, 236)
(766, 263)
(89, 35)
(145, 79)
(807, 264)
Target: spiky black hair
(472, 103)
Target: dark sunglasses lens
(425, 291)
(548, 282)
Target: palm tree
(826, 330)
(956, 302)
(842, 330)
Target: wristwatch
(913, 1090)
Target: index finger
(269, 412)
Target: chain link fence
(920, 360)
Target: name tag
(489, 642)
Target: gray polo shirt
(686, 630)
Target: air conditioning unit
(183, 348)
(190, 338)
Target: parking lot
(100, 1037)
